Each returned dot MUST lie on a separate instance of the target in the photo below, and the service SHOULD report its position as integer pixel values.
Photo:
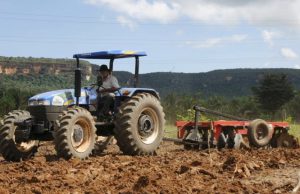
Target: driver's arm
(99, 81)
(110, 90)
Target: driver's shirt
(110, 82)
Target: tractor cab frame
(111, 56)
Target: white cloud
(126, 22)
(160, 11)
(260, 12)
(266, 12)
(213, 42)
(297, 66)
(268, 36)
(288, 53)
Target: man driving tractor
(107, 84)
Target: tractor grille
(45, 113)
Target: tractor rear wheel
(139, 125)
(259, 133)
(13, 148)
(75, 135)
(1, 123)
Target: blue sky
(178, 35)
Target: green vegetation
(15, 90)
(181, 107)
(170, 131)
(273, 91)
(23, 61)
(295, 130)
(226, 83)
(228, 91)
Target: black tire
(9, 148)
(75, 134)
(259, 133)
(139, 125)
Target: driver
(107, 86)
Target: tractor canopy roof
(114, 54)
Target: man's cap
(103, 68)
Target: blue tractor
(68, 118)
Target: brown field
(172, 170)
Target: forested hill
(42, 74)
(228, 83)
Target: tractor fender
(129, 92)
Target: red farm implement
(232, 133)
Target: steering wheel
(119, 91)
(90, 87)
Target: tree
(293, 107)
(273, 92)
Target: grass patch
(170, 131)
(295, 130)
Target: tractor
(68, 118)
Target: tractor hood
(56, 98)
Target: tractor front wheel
(139, 125)
(12, 147)
(75, 135)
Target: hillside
(48, 74)
(228, 83)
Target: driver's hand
(98, 90)
(101, 90)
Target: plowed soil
(172, 170)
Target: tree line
(273, 98)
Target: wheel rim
(261, 132)
(26, 146)
(23, 146)
(148, 127)
(81, 135)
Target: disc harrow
(234, 133)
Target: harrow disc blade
(287, 141)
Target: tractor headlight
(32, 103)
(57, 101)
(43, 102)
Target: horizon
(206, 35)
(238, 68)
